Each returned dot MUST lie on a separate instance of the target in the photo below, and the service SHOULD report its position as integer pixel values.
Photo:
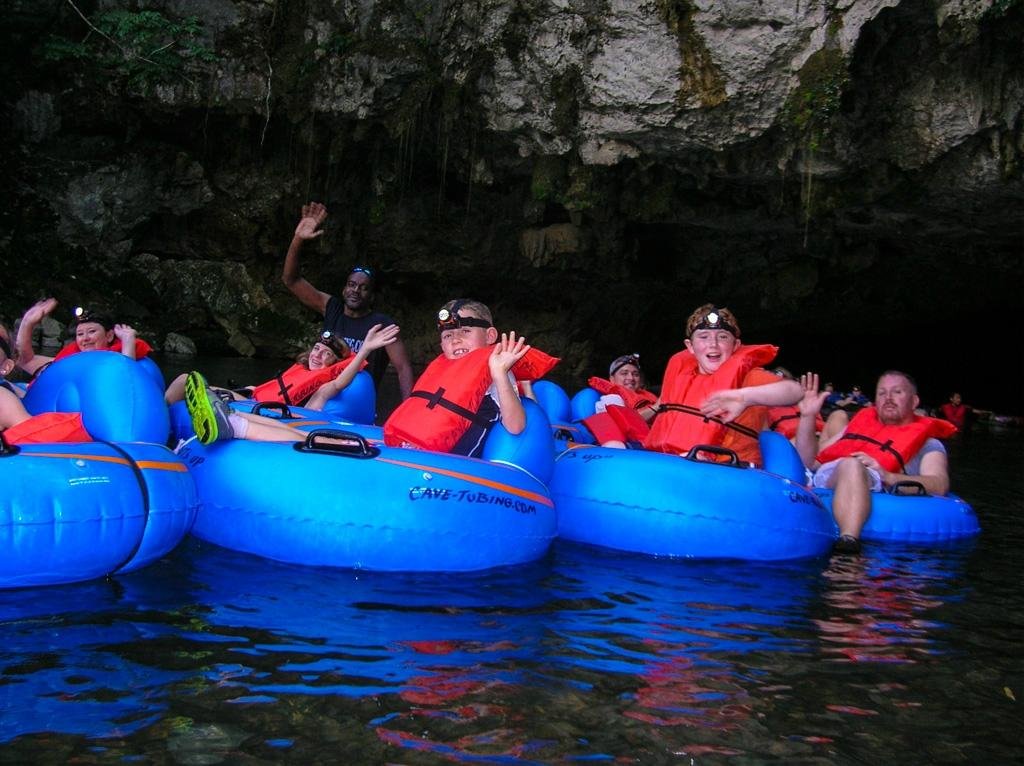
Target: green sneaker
(209, 414)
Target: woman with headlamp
(329, 367)
(94, 331)
(716, 391)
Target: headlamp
(450, 319)
(335, 343)
(83, 315)
(713, 320)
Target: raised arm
(729, 404)
(126, 334)
(312, 219)
(28, 359)
(377, 337)
(507, 352)
(806, 439)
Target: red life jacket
(48, 428)
(785, 420)
(296, 384)
(891, 446)
(617, 423)
(680, 424)
(447, 396)
(954, 413)
(142, 349)
(636, 399)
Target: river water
(904, 654)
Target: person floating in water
(94, 331)
(881, 445)
(470, 387)
(716, 390)
(351, 316)
(329, 368)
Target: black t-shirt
(354, 330)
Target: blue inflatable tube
(553, 399)
(565, 428)
(583, 403)
(357, 402)
(365, 506)
(72, 512)
(120, 399)
(915, 518)
(666, 505)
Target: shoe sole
(204, 420)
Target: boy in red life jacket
(462, 394)
(93, 332)
(716, 391)
(311, 383)
(880, 446)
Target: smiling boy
(716, 391)
(469, 388)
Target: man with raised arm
(882, 445)
(352, 315)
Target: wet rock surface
(593, 170)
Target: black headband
(622, 361)
(449, 319)
(84, 315)
(713, 320)
(334, 342)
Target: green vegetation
(143, 49)
(809, 113)
(810, 108)
(698, 74)
(549, 179)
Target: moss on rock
(699, 76)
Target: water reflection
(212, 656)
(878, 604)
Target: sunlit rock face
(593, 169)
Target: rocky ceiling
(845, 175)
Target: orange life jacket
(636, 399)
(446, 398)
(785, 420)
(296, 384)
(891, 446)
(48, 428)
(142, 349)
(680, 424)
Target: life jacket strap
(436, 399)
(791, 416)
(885, 446)
(283, 389)
(739, 428)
